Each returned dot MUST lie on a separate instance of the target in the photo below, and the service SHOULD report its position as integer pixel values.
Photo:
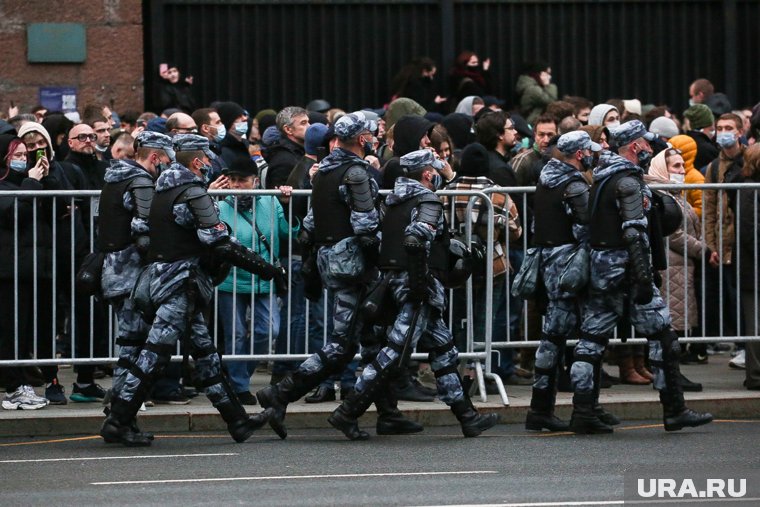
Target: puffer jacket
(689, 152)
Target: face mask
(241, 128)
(613, 125)
(677, 178)
(206, 172)
(437, 181)
(367, 147)
(100, 148)
(691, 102)
(726, 139)
(587, 162)
(644, 158)
(221, 132)
(18, 165)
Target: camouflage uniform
(621, 281)
(561, 228)
(420, 296)
(178, 290)
(343, 222)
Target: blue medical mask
(726, 139)
(18, 165)
(221, 132)
(241, 128)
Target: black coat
(177, 95)
(707, 151)
(282, 157)
(21, 244)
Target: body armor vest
(114, 221)
(332, 216)
(169, 241)
(606, 227)
(393, 255)
(552, 225)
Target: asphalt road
(505, 466)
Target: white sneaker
(24, 398)
(739, 361)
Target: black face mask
(368, 148)
(644, 157)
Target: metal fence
(51, 290)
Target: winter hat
(402, 106)
(474, 161)
(229, 112)
(699, 116)
(317, 117)
(314, 138)
(270, 136)
(597, 114)
(633, 106)
(663, 127)
(459, 127)
(718, 104)
(33, 126)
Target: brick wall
(113, 70)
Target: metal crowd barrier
(478, 350)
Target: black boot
(472, 422)
(689, 386)
(345, 417)
(676, 415)
(291, 388)
(584, 421)
(390, 420)
(606, 417)
(240, 424)
(541, 414)
(117, 428)
(133, 425)
(403, 388)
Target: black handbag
(90, 273)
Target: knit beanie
(663, 127)
(474, 161)
(597, 114)
(699, 116)
(402, 106)
(229, 112)
(314, 138)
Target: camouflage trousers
(132, 333)
(608, 301)
(429, 334)
(348, 329)
(560, 319)
(172, 318)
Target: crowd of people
(305, 266)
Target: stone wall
(112, 72)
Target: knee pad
(671, 348)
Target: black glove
(642, 292)
(280, 281)
(305, 239)
(370, 246)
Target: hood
(465, 105)
(175, 176)
(459, 127)
(556, 172)
(33, 126)
(7, 128)
(339, 157)
(611, 163)
(121, 170)
(524, 82)
(688, 147)
(408, 132)
(400, 107)
(658, 170)
(405, 189)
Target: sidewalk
(723, 396)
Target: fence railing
(53, 324)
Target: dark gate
(275, 53)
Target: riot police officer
(123, 236)
(415, 257)
(560, 228)
(622, 281)
(187, 243)
(343, 224)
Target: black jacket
(282, 157)
(233, 149)
(177, 95)
(707, 151)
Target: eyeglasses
(83, 138)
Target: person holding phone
(26, 276)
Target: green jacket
(269, 217)
(533, 97)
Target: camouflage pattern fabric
(132, 330)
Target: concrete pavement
(723, 395)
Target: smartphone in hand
(39, 154)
